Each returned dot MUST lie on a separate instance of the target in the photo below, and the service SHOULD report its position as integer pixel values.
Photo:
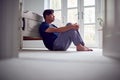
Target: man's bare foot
(88, 48)
(82, 48)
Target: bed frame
(31, 38)
(31, 21)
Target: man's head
(48, 15)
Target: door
(88, 16)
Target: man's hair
(47, 12)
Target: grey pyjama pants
(66, 38)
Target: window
(56, 5)
(72, 11)
(89, 22)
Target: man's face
(50, 17)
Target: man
(60, 38)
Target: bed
(31, 22)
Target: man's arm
(63, 29)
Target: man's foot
(82, 48)
(88, 48)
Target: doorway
(84, 12)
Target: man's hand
(74, 26)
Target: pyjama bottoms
(64, 40)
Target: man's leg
(77, 34)
(64, 40)
(80, 47)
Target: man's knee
(72, 31)
(68, 24)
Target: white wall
(34, 5)
(9, 21)
(111, 30)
